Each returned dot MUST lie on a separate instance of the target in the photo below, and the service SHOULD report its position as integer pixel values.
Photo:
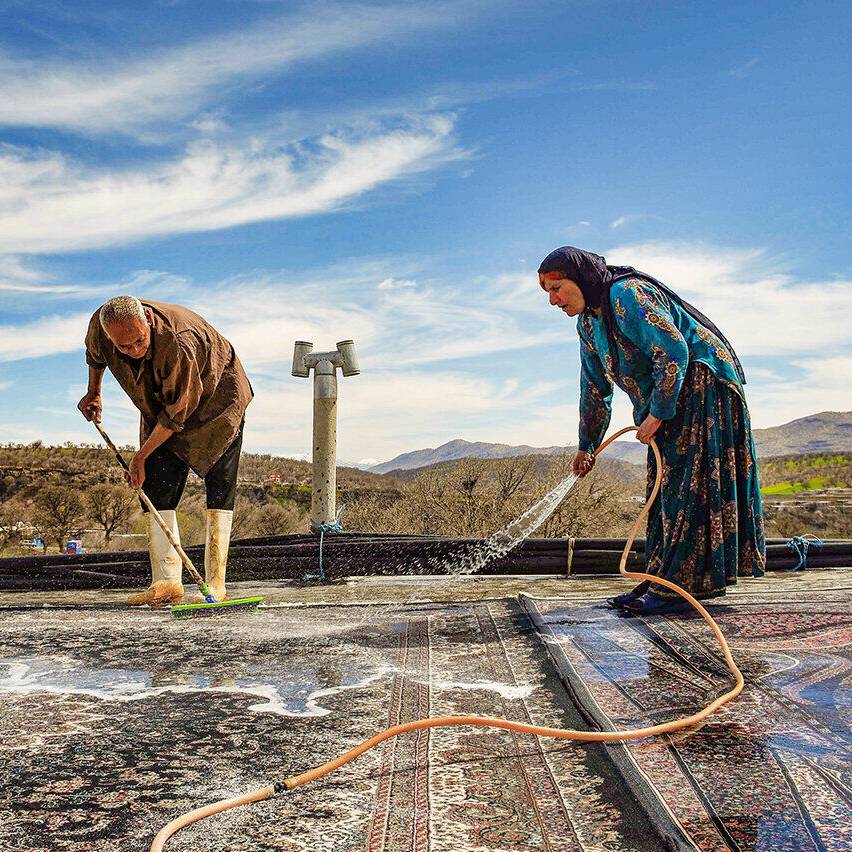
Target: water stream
(475, 557)
(470, 559)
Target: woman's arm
(595, 396)
(645, 318)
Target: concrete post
(323, 496)
(324, 365)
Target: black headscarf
(594, 278)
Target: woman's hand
(648, 429)
(583, 463)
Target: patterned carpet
(114, 723)
(772, 771)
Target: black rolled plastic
(358, 554)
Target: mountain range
(828, 431)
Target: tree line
(59, 493)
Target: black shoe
(620, 601)
(654, 604)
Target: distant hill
(460, 449)
(616, 469)
(829, 431)
(826, 432)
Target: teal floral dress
(706, 527)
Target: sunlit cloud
(109, 93)
(401, 327)
(49, 203)
(428, 346)
(383, 412)
(742, 70)
(762, 309)
(21, 281)
(50, 335)
(818, 384)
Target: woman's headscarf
(594, 278)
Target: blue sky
(393, 172)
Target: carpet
(114, 723)
(772, 770)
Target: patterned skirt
(706, 526)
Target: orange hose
(488, 722)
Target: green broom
(210, 606)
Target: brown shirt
(190, 380)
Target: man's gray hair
(120, 309)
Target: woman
(686, 386)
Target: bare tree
(511, 473)
(379, 513)
(468, 481)
(427, 506)
(275, 519)
(245, 516)
(9, 531)
(478, 497)
(111, 507)
(595, 506)
(59, 513)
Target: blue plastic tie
(799, 545)
(332, 527)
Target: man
(192, 393)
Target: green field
(803, 473)
(816, 483)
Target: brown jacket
(190, 381)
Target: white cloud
(20, 280)
(397, 328)
(385, 412)
(742, 70)
(396, 284)
(14, 270)
(760, 308)
(114, 94)
(50, 204)
(481, 359)
(15, 432)
(821, 384)
(630, 218)
(46, 336)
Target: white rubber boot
(166, 585)
(216, 550)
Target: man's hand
(583, 463)
(648, 429)
(91, 405)
(137, 471)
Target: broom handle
(187, 562)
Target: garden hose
(487, 722)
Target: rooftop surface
(116, 721)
